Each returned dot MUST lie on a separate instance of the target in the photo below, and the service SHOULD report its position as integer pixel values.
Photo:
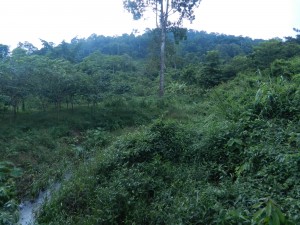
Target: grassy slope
(230, 158)
(43, 145)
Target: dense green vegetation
(221, 147)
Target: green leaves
(8, 206)
(183, 8)
(277, 98)
(269, 213)
(7, 170)
(136, 7)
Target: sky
(58, 20)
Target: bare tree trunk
(162, 63)
(15, 110)
(163, 24)
(23, 105)
(72, 103)
(14, 106)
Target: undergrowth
(47, 145)
(233, 161)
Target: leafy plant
(8, 205)
(269, 213)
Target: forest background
(221, 146)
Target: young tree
(169, 13)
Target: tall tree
(169, 13)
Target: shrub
(8, 205)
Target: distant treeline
(140, 47)
(85, 71)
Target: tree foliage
(221, 148)
(163, 9)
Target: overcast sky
(57, 20)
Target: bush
(278, 99)
(8, 204)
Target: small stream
(28, 209)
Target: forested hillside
(220, 147)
